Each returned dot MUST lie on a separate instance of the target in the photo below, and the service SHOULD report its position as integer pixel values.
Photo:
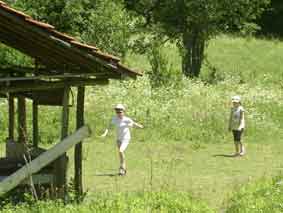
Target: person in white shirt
(123, 125)
(237, 124)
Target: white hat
(120, 106)
(236, 99)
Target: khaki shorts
(123, 144)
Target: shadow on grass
(226, 155)
(108, 174)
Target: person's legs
(240, 149)
(122, 145)
(236, 143)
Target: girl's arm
(138, 125)
(230, 121)
(105, 133)
(107, 130)
(242, 120)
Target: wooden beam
(45, 85)
(22, 126)
(78, 147)
(43, 160)
(54, 72)
(35, 130)
(61, 166)
(50, 77)
(11, 116)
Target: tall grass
(262, 196)
(126, 202)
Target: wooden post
(35, 123)
(61, 176)
(11, 117)
(78, 147)
(44, 159)
(22, 127)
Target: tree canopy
(192, 23)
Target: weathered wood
(53, 77)
(22, 126)
(43, 160)
(61, 166)
(78, 147)
(45, 85)
(53, 44)
(11, 117)
(35, 130)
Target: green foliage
(162, 72)
(263, 196)
(123, 202)
(109, 28)
(11, 56)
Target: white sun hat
(120, 107)
(236, 99)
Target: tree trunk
(193, 43)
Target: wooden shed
(60, 62)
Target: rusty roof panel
(40, 24)
(63, 35)
(123, 67)
(105, 56)
(84, 46)
(50, 30)
(15, 12)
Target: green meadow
(180, 161)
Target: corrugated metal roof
(41, 40)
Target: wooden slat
(16, 12)
(84, 46)
(42, 85)
(40, 24)
(62, 35)
(43, 160)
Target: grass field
(185, 144)
(206, 172)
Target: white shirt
(123, 127)
(237, 121)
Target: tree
(192, 23)
(271, 20)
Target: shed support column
(22, 127)
(61, 170)
(78, 147)
(35, 123)
(11, 117)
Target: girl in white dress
(123, 125)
